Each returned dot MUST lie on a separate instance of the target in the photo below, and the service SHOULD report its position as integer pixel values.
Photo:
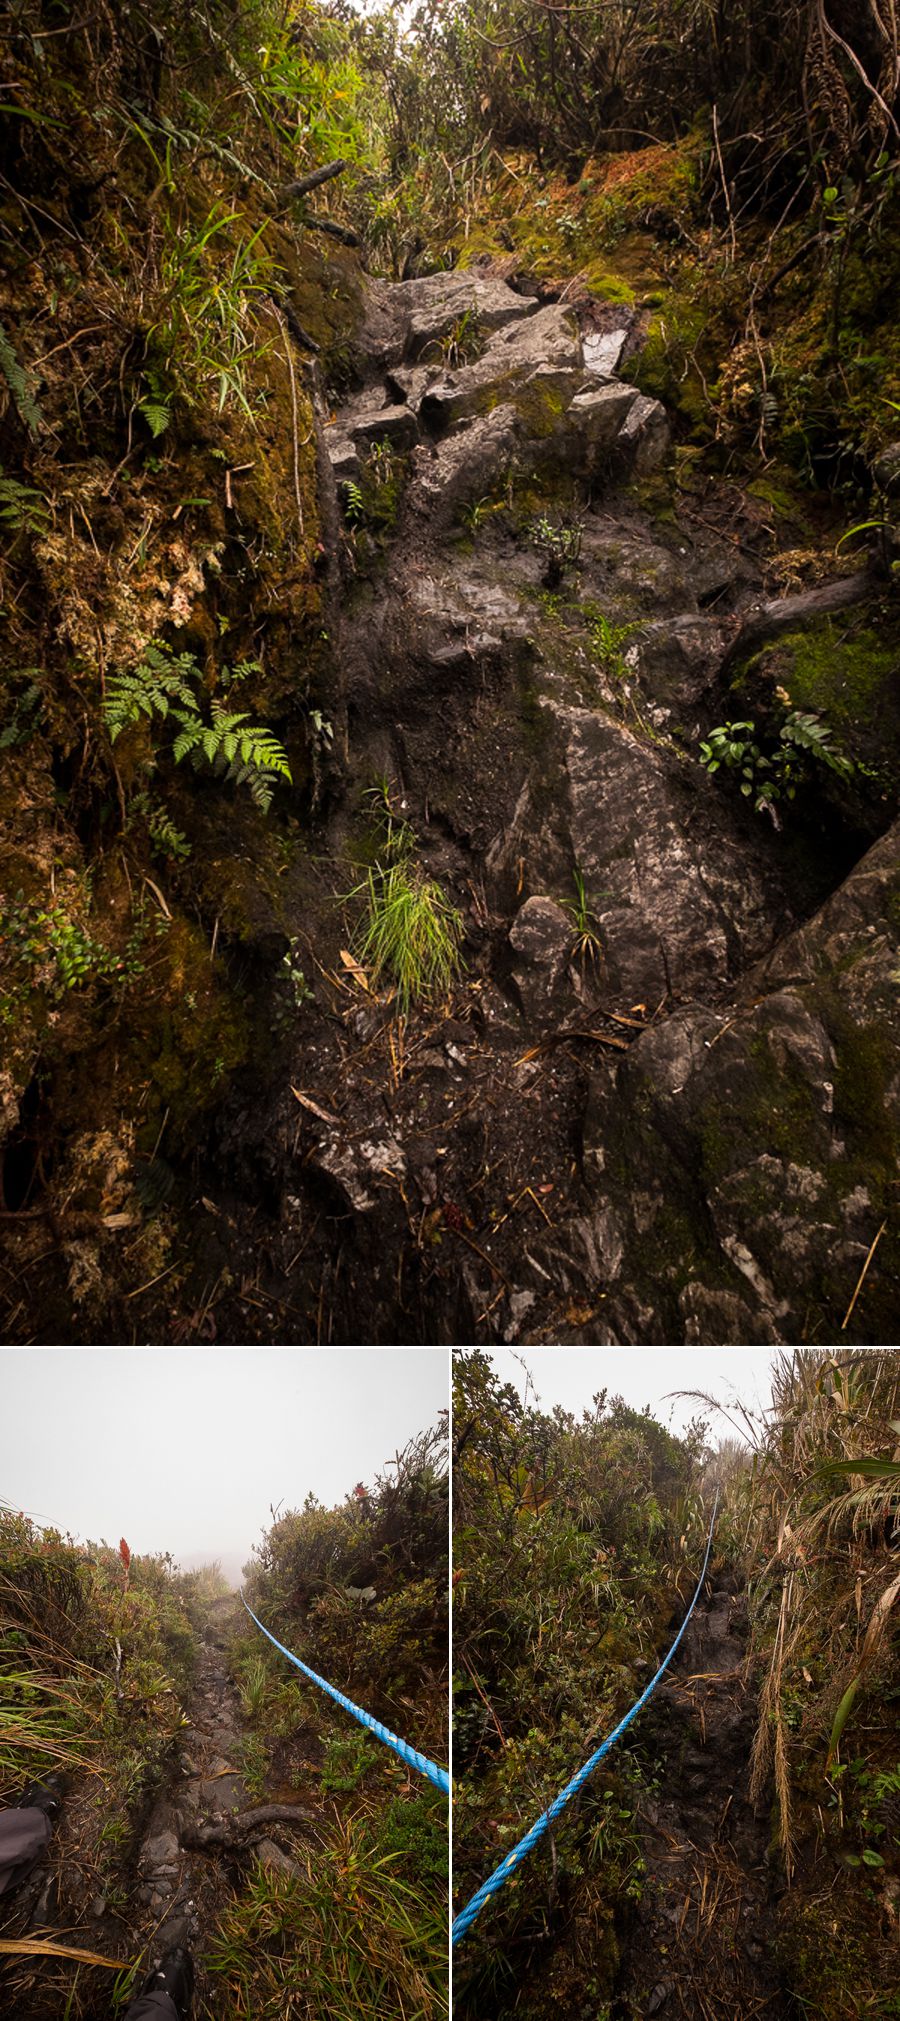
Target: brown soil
(701, 1948)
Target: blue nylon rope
(495, 1881)
(408, 1754)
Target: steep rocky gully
(670, 1119)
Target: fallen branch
(300, 336)
(786, 613)
(289, 190)
(342, 232)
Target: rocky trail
(702, 1948)
(666, 1116)
(206, 1827)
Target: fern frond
(149, 689)
(156, 415)
(17, 381)
(22, 507)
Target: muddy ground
(702, 1948)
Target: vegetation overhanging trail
(216, 1801)
(735, 1855)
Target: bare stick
(289, 190)
(859, 1286)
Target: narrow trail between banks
(207, 1826)
(701, 1947)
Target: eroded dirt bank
(703, 1946)
(662, 1102)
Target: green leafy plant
(160, 679)
(588, 946)
(17, 380)
(26, 712)
(767, 777)
(22, 508)
(462, 343)
(348, 1759)
(165, 838)
(608, 641)
(202, 332)
(478, 510)
(236, 749)
(560, 544)
(59, 953)
(227, 743)
(354, 502)
(300, 989)
(396, 836)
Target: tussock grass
(411, 934)
(817, 1513)
(358, 1934)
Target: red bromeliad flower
(125, 1556)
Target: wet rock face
(781, 1120)
(662, 1106)
(679, 904)
(454, 351)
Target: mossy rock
(845, 670)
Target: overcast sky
(571, 1376)
(185, 1450)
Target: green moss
(200, 1034)
(844, 676)
(611, 287)
(846, 671)
(866, 1068)
(767, 1106)
(667, 368)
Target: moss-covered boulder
(751, 1154)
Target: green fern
(156, 415)
(17, 381)
(165, 838)
(21, 507)
(242, 752)
(149, 689)
(354, 502)
(26, 713)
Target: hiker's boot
(45, 1796)
(174, 1975)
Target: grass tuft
(358, 1930)
(411, 934)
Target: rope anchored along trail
(514, 1859)
(410, 1755)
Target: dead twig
(860, 1280)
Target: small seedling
(587, 945)
(560, 544)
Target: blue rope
(495, 1881)
(408, 1754)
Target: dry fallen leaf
(353, 968)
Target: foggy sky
(571, 1376)
(185, 1450)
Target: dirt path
(206, 1827)
(701, 1949)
